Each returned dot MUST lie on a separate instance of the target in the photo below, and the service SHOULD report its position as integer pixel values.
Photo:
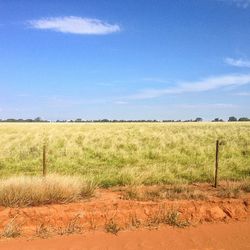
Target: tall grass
(31, 191)
(119, 154)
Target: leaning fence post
(44, 161)
(216, 164)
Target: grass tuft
(156, 193)
(174, 220)
(73, 227)
(234, 189)
(183, 192)
(167, 217)
(112, 227)
(12, 229)
(42, 231)
(245, 186)
(32, 191)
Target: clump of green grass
(32, 191)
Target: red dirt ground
(219, 216)
(232, 236)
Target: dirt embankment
(109, 209)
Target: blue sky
(144, 59)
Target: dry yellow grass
(31, 191)
(155, 193)
(128, 153)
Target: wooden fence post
(44, 161)
(216, 164)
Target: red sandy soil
(234, 235)
(219, 216)
(94, 213)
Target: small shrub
(172, 219)
(112, 227)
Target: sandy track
(235, 235)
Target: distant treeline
(79, 120)
(24, 120)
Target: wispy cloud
(239, 3)
(243, 93)
(212, 105)
(238, 62)
(75, 25)
(121, 102)
(155, 79)
(242, 3)
(207, 84)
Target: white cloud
(211, 83)
(239, 3)
(75, 25)
(238, 62)
(242, 3)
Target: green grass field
(127, 153)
